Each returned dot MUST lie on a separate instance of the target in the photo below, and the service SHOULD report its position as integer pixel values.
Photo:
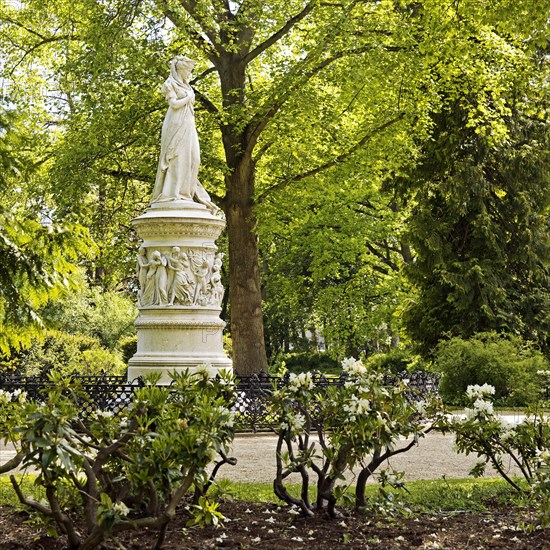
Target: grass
(26, 481)
(427, 496)
(421, 496)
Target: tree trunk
(247, 327)
(245, 294)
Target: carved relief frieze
(177, 277)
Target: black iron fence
(115, 393)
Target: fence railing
(115, 393)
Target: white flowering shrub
(324, 433)
(524, 445)
(129, 472)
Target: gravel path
(433, 458)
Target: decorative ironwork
(115, 393)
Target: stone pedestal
(179, 325)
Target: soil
(268, 527)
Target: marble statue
(216, 287)
(178, 167)
(155, 289)
(200, 267)
(180, 284)
(142, 268)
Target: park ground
(268, 527)
(253, 525)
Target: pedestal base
(179, 330)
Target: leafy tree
(288, 91)
(333, 265)
(481, 230)
(37, 257)
(104, 315)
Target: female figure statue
(142, 267)
(155, 292)
(216, 280)
(181, 288)
(178, 168)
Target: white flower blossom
(354, 367)
(121, 509)
(296, 382)
(479, 392)
(421, 406)
(483, 407)
(294, 423)
(5, 397)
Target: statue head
(175, 250)
(182, 66)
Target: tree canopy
(323, 129)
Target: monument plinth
(180, 289)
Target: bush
(106, 316)
(326, 433)
(496, 441)
(62, 352)
(396, 360)
(305, 362)
(128, 348)
(126, 472)
(506, 362)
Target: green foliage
(38, 253)
(357, 425)
(305, 362)
(92, 311)
(36, 265)
(128, 348)
(313, 113)
(525, 444)
(64, 353)
(333, 257)
(506, 362)
(480, 224)
(396, 360)
(127, 472)
(205, 513)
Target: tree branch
(31, 503)
(336, 160)
(190, 7)
(178, 21)
(260, 120)
(12, 463)
(285, 29)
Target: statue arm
(176, 103)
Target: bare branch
(29, 501)
(206, 103)
(12, 463)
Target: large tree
(481, 227)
